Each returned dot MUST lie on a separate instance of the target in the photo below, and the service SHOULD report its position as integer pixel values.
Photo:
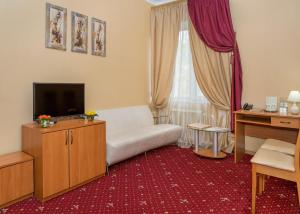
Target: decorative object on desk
(79, 32)
(271, 104)
(247, 106)
(44, 120)
(294, 97)
(90, 115)
(98, 37)
(56, 27)
(283, 106)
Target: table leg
(239, 148)
(198, 137)
(195, 138)
(215, 145)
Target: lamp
(294, 97)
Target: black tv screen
(58, 99)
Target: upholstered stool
(279, 146)
(274, 159)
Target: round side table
(214, 152)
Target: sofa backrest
(120, 120)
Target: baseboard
(15, 201)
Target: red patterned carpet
(170, 180)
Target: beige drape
(165, 26)
(213, 74)
(212, 69)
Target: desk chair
(279, 146)
(276, 164)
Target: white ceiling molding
(159, 2)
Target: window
(187, 103)
(185, 87)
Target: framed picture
(79, 32)
(98, 37)
(56, 27)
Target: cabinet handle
(67, 136)
(284, 122)
(71, 137)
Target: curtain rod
(169, 3)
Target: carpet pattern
(170, 180)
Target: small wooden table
(215, 151)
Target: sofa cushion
(130, 143)
(121, 120)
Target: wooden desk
(261, 124)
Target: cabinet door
(55, 162)
(87, 153)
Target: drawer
(285, 122)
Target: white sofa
(131, 131)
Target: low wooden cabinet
(16, 178)
(66, 155)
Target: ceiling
(158, 2)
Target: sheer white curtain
(187, 103)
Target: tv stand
(66, 155)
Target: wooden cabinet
(66, 155)
(55, 154)
(16, 177)
(85, 158)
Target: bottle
(283, 106)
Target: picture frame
(98, 37)
(56, 27)
(79, 31)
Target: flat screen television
(58, 99)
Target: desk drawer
(285, 122)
